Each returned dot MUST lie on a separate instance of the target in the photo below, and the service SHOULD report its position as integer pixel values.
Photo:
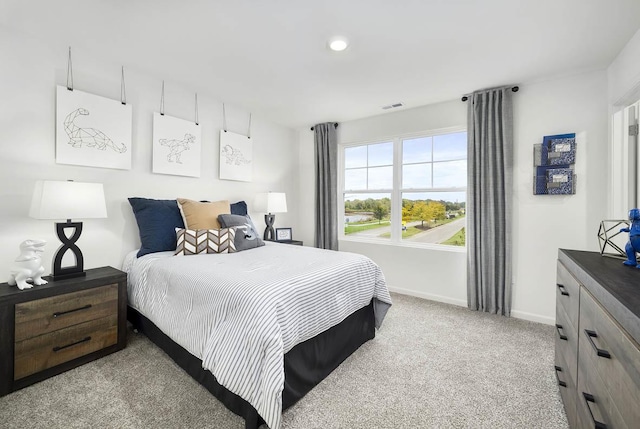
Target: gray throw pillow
(247, 236)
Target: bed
(257, 328)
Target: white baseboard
(463, 303)
(429, 296)
(533, 317)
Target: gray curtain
(326, 157)
(489, 204)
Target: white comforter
(241, 312)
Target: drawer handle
(560, 382)
(562, 337)
(563, 291)
(62, 313)
(84, 340)
(589, 398)
(601, 352)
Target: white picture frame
(236, 157)
(92, 131)
(284, 234)
(177, 146)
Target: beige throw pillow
(197, 215)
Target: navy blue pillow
(239, 208)
(157, 222)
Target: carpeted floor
(431, 365)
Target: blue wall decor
(553, 163)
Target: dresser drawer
(594, 404)
(567, 293)
(567, 388)
(45, 351)
(607, 352)
(566, 342)
(46, 315)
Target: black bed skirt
(306, 365)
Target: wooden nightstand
(294, 242)
(55, 327)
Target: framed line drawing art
(236, 157)
(284, 234)
(176, 146)
(92, 131)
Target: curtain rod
(335, 124)
(513, 89)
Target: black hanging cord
(69, 73)
(162, 100)
(224, 122)
(335, 124)
(513, 89)
(224, 119)
(197, 109)
(123, 90)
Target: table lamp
(68, 200)
(270, 203)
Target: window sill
(425, 246)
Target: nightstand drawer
(45, 351)
(46, 315)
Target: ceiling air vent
(392, 106)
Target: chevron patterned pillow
(197, 241)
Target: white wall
(542, 224)
(306, 186)
(428, 273)
(624, 74)
(28, 76)
(624, 90)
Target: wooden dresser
(52, 328)
(597, 360)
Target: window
(406, 190)
(368, 182)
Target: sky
(427, 162)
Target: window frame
(396, 192)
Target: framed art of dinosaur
(236, 157)
(92, 131)
(176, 146)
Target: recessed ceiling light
(338, 44)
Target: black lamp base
(68, 276)
(68, 243)
(269, 233)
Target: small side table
(294, 242)
(52, 328)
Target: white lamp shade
(67, 200)
(272, 202)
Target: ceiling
(270, 57)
